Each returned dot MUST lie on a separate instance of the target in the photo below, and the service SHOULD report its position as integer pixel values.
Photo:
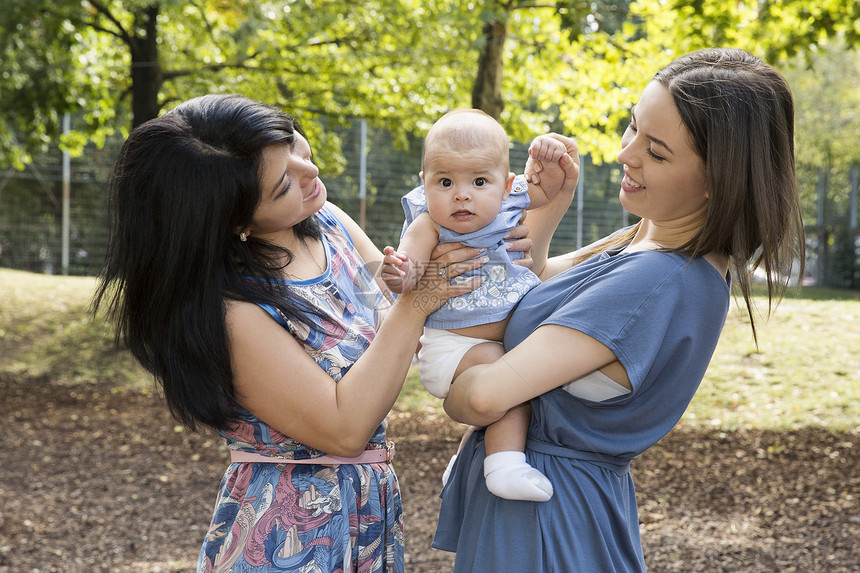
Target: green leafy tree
(827, 111)
(568, 65)
(827, 103)
(585, 77)
(529, 25)
(120, 63)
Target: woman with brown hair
(612, 346)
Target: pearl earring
(243, 237)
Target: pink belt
(377, 456)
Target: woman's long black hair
(183, 186)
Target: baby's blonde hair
(466, 130)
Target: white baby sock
(509, 476)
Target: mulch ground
(96, 480)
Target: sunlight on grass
(415, 398)
(806, 371)
(46, 331)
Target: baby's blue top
(504, 282)
(661, 315)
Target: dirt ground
(96, 480)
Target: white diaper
(439, 356)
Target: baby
(469, 196)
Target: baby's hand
(395, 270)
(546, 148)
(552, 169)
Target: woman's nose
(311, 169)
(626, 155)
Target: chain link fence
(33, 236)
(32, 203)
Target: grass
(805, 371)
(47, 332)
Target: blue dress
(504, 283)
(279, 517)
(661, 314)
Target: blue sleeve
(512, 208)
(518, 198)
(274, 313)
(414, 203)
(639, 308)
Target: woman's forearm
(370, 388)
(543, 221)
(482, 394)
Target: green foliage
(569, 65)
(825, 84)
(333, 61)
(787, 28)
(827, 120)
(588, 82)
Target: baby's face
(464, 190)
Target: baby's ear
(421, 175)
(509, 185)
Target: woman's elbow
(480, 409)
(479, 403)
(346, 445)
(347, 452)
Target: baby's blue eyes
(479, 182)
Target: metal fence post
(67, 199)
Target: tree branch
(105, 11)
(205, 21)
(240, 65)
(98, 28)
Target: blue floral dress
(276, 517)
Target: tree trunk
(487, 93)
(145, 68)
